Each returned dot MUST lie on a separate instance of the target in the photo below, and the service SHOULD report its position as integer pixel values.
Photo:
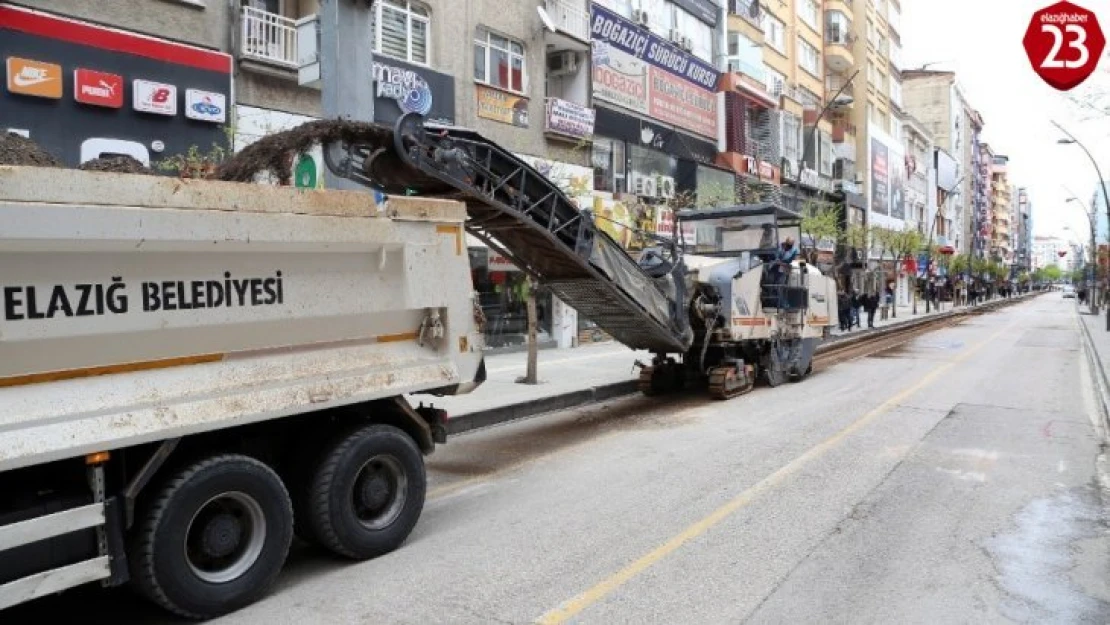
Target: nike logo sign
(21, 80)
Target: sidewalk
(570, 377)
(1096, 341)
(905, 313)
(560, 371)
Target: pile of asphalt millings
(274, 153)
(120, 164)
(18, 150)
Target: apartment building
(755, 137)
(936, 98)
(1023, 260)
(920, 203)
(1001, 248)
(982, 196)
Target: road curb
(584, 397)
(543, 405)
(1098, 374)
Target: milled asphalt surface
(951, 480)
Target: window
(776, 82)
(499, 62)
(774, 32)
(871, 113)
(745, 56)
(401, 31)
(808, 57)
(661, 18)
(837, 28)
(896, 93)
(824, 141)
(609, 165)
(791, 137)
(807, 10)
(872, 34)
(700, 33)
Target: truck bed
(139, 308)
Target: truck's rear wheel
(214, 537)
(367, 492)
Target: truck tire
(367, 492)
(214, 537)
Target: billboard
(642, 72)
(82, 91)
(887, 163)
(947, 170)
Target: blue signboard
(612, 29)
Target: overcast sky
(981, 40)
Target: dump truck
(193, 371)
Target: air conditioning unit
(648, 187)
(562, 63)
(687, 44)
(666, 187)
(676, 36)
(640, 17)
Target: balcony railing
(755, 71)
(269, 38)
(570, 17)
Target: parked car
(1068, 291)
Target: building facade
(1001, 249)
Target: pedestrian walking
(871, 304)
(844, 313)
(856, 306)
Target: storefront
(401, 88)
(503, 291)
(83, 91)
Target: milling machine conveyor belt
(520, 213)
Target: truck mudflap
(108, 565)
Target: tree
(1051, 273)
(905, 244)
(820, 223)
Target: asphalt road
(955, 479)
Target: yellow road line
(618, 579)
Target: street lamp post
(1091, 278)
(1101, 181)
(811, 137)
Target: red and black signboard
(82, 91)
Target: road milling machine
(720, 311)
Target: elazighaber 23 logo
(1064, 43)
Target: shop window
(503, 295)
(715, 187)
(401, 30)
(652, 162)
(500, 62)
(609, 164)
